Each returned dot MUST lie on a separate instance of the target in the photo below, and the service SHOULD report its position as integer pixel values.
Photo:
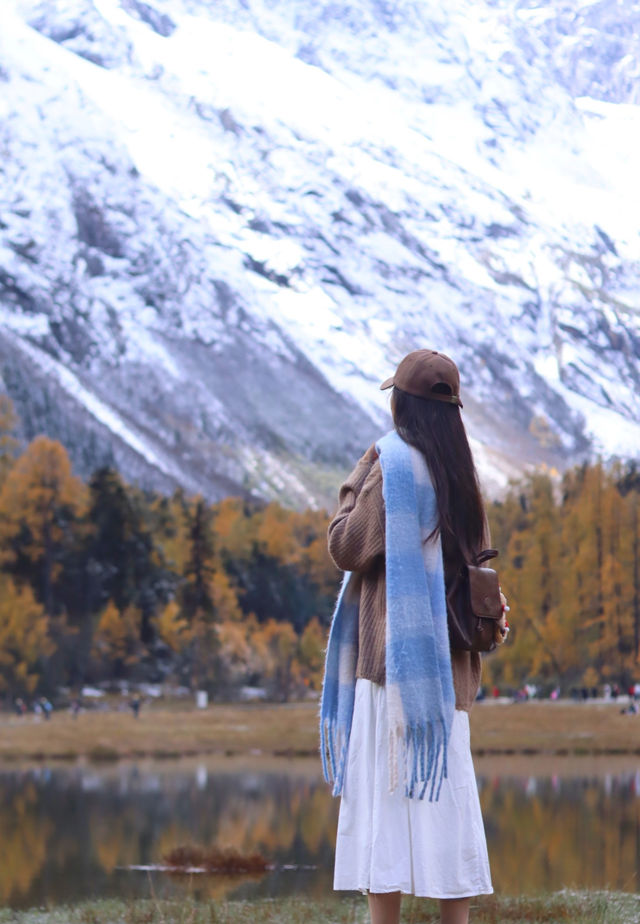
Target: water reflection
(66, 832)
(561, 826)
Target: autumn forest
(103, 582)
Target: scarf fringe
(421, 751)
(334, 746)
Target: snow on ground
(106, 415)
(379, 204)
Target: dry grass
(558, 908)
(231, 862)
(291, 730)
(553, 728)
(555, 908)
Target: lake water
(72, 832)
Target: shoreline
(544, 729)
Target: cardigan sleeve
(357, 532)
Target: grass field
(559, 908)
(554, 728)
(163, 732)
(291, 729)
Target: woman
(395, 703)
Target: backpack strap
(481, 557)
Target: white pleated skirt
(389, 843)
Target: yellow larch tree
(40, 501)
(24, 638)
(311, 649)
(116, 640)
(8, 442)
(613, 656)
(281, 667)
(172, 628)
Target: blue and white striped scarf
(419, 683)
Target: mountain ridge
(218, 235)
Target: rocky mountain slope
(221, 225)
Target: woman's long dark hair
(435, 428)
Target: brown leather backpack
(474, 605)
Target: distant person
(20, 706)
(46, 706)
(396, 698)
(134, 705)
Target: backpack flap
(484, 591)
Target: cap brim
(387, 383)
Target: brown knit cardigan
(357, 544)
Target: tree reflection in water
(67, 832)
(551, 832)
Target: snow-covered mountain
(222, 224)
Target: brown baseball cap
(421, 371)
